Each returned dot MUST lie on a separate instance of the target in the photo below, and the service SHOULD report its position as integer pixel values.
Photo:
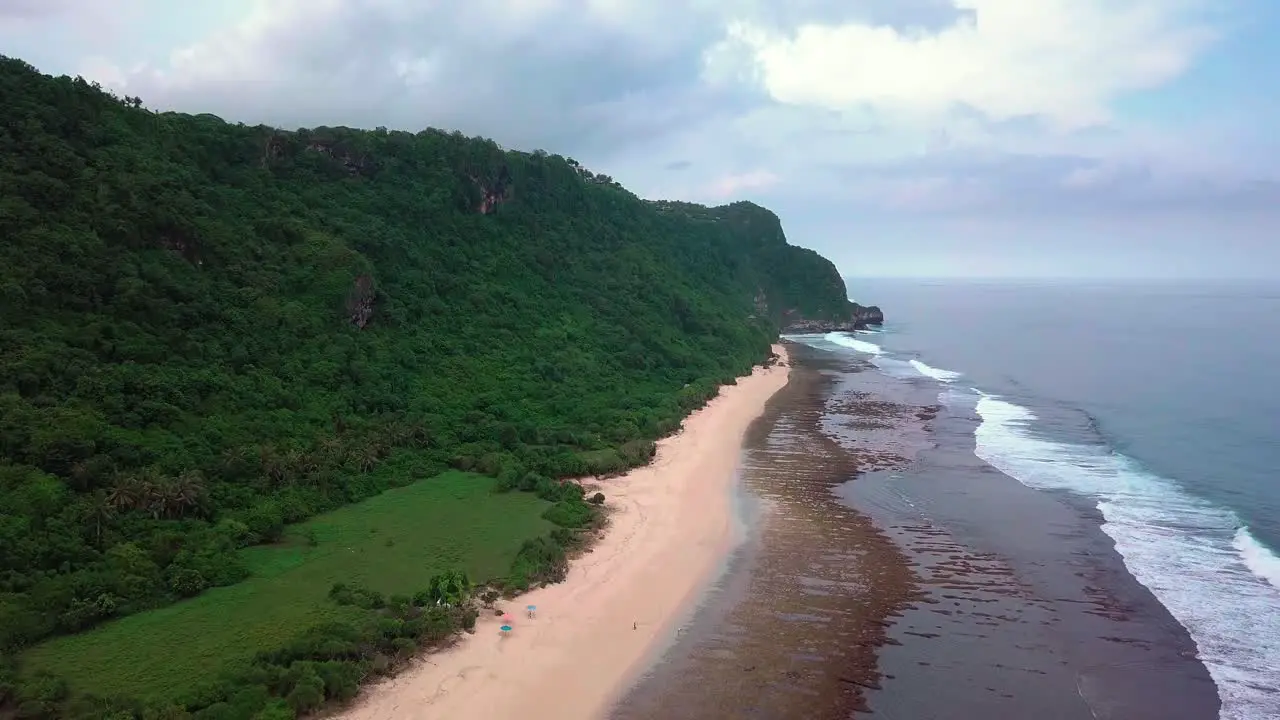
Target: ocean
(1015, 500)
(1157, 402)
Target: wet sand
(891, 572)
(792, 630)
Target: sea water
(1158, 402)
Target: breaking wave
(1198, 559)
(845, 340)
(938, 374)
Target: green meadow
(391, 543)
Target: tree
(180, 376)
(187, 492)
(128, 493)
(449, 588)
(99, 512)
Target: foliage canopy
(210, 330)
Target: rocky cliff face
(360, 301)
(870, 315)
(860, 317)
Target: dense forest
(210, 331)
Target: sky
(975, 138)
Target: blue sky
(1100, 138)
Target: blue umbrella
(505, 628)
(531, 609)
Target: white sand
(671, 527)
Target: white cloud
(903, 106)
(733, 185)
(1088, 177)
(14, 10)
(1062, 60)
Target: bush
(341, 679)
(539, 561)
(185, 582)
(597, 499)
(307, 693)
(8, 684)
(404, 647)
(570, 514)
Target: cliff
(861, 317)
(210, 330)
(797, 287)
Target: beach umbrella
(531, 608)
(506, 617)
(505, 629)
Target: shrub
(570, 513)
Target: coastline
(895, 573)
(671, 526)
(793, 629)
(1026, 608)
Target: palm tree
(272, 464)
(368, 458)
(292, 460)
(301, 464)
(187, 491)
(235, 461)
(123, 494)
(151, 486)
(99, 511)
(418, 436)
(82, 474)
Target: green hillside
(211, 332)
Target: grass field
(391, 543)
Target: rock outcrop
(354, 164)
(870, 315)
(860, 318)
(493, 193)
(360, 301)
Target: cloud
(563, 74)
(731, 186)
(894, 110)
(91, 22)
(1060, 60)
(37, 9)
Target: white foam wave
(1258, 557)
(1189, 553)
(932, 372)
(953, 398)
(844, 340)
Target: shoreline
(1027, 608)
(792, 631)
(896, 573)
(671, 527)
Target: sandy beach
(670, 528)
